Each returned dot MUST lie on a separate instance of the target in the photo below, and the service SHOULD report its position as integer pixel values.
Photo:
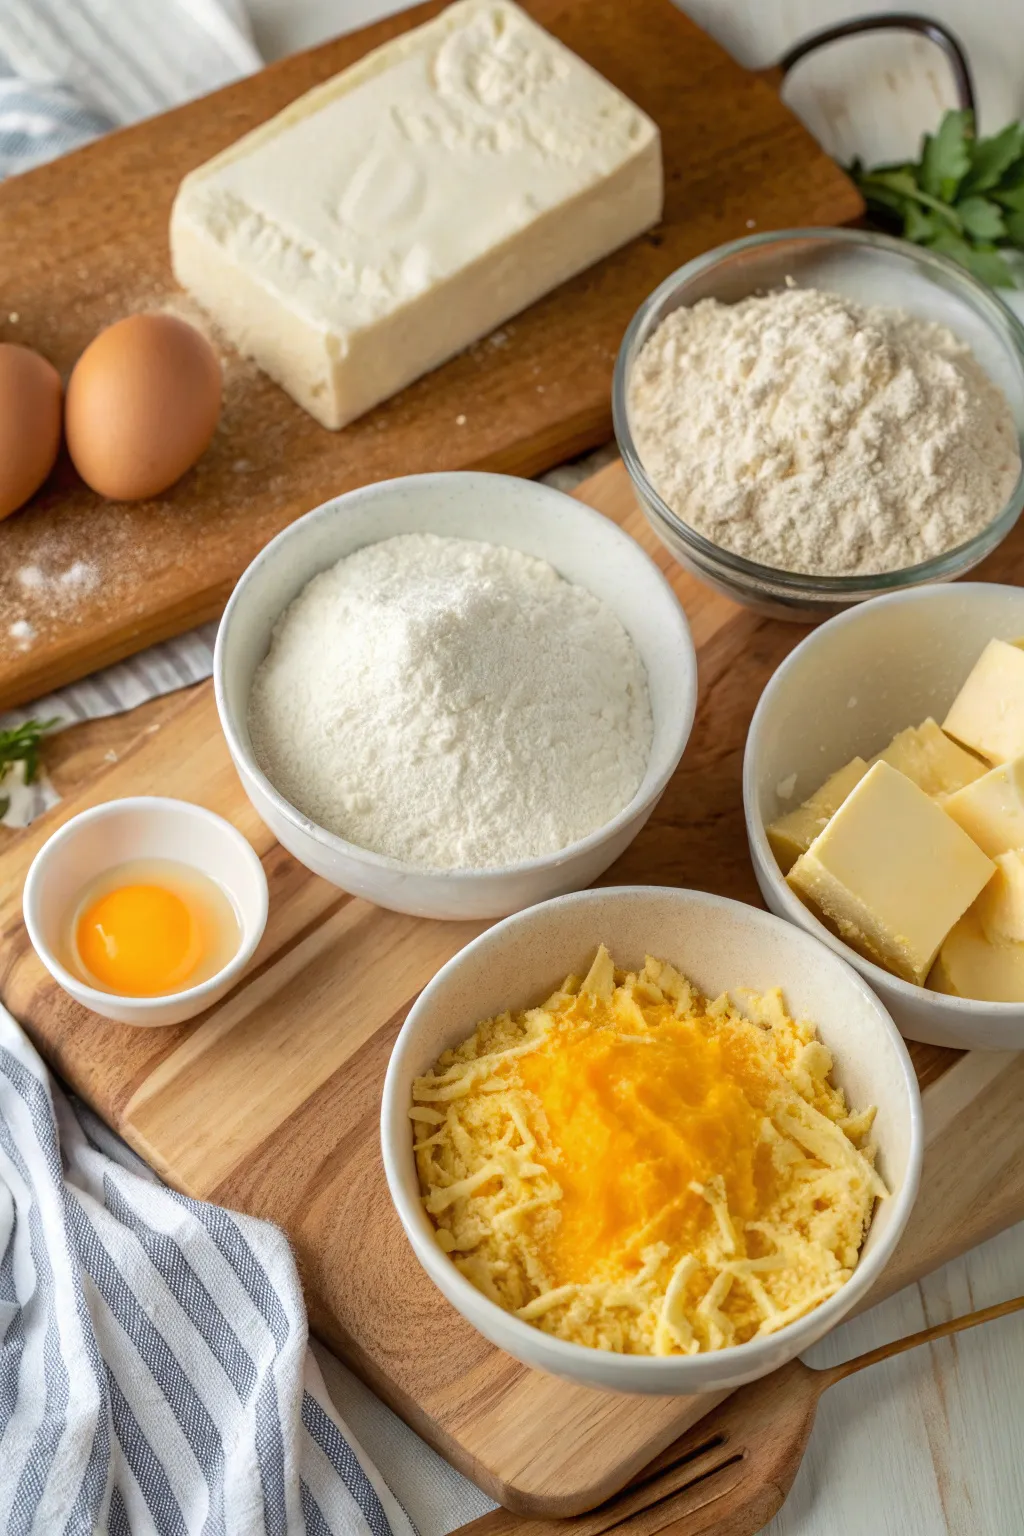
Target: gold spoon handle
(926, 1336)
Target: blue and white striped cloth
(38, 122)
(155, 1374)
(73, 69)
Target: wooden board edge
(959, 1096)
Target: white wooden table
(930, 1444)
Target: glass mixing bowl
(873, 269)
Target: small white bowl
(720, 945)
(845, 692)
(584, 547)
(143, 827)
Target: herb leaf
(920, 225)
(1010, 197)
(984, 261)
(964, 197)
(946, 158)
(988, 264)
(981, 218)
(21, 744)
(991, 158)
(897, 185)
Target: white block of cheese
(404, 209)
(987, 714)
(991, 810)
(892, 873)
(791, 835)
(928, 756)
(970, 965)
(1000, 907)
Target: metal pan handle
(892, 21)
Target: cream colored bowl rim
(880, 979)
(94, 997)
(572, 1360)
(649, 789)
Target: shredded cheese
(633, 1167)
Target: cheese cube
(792, 834)
(1000, 907)
(970, 965)
(892, 873)
(406, 208)
(988, 712)
(991, 810)
(928, 756)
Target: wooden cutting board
(83, 242)
(270, 1102)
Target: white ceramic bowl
(142, 827)
(845, 691)
(719, 944)
(584, 547)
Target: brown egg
(30, 399)
(142, 406)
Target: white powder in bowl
(811, 433)
(454, 704)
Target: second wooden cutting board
(270, 1102)
(83, 242)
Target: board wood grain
(269, 1103)
(83, 242)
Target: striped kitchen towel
(73, 69)
(155, 1374)
(38, 122)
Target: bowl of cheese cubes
(883, 787)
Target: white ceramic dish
(845, 691)
(720, 944)
(584, 547)
(143, 827)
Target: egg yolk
(139, 941)
(635, 1124)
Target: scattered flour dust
(77, 578)
(811, 433)
(22, 633)
(453, 704)
(55, 591)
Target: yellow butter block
(892, 873)
(970, 965)
(928, 756)
(991, 810)
(988, 713)
(1000, 907)
(792, 834)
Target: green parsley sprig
(21, 744)
(964, 196)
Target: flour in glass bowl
(452, 704)
(811, 433)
